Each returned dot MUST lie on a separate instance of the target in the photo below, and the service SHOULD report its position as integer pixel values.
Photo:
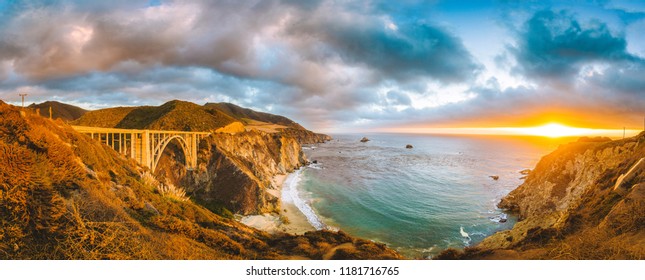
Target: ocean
(419, 201)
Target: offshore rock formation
(586, 200)
(66, 196)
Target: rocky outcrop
(583, 201)
(235, 171)
(304, 136)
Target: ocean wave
(465, 236)
(316, 166)
(290, 194)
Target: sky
(338, 66)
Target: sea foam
(290, 195)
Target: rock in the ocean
(495, 177)
(525, 171)
(314, 161)
(365, 139)
(408, 146)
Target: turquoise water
(418, 201)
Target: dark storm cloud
(555, 45)
(403, 50)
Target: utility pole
(23, 99)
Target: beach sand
(290, 220)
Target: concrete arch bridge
(146, 146)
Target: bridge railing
(144, 145)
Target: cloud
(398, 98)
(326, 63)
(304, 54)
(397, 50)
(556, 45)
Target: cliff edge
(586, 200)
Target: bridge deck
(90, 129)
(144, 145)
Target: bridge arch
(146, 146)
(161, 147)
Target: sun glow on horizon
(553, 130)
(549, 130)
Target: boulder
(408, 146)
(495, 177)
(365, 139)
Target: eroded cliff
(586, 200)
(235, 171)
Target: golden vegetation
(65, 196)
(599, 223)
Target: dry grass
(65, 196)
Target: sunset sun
(554, 130)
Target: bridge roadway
(146, 146)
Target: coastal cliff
(586, 200)
(235, 171)
(66, 196)
(236, 163)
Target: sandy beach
(290, 220)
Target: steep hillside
(186, 116)
(292, 129)
(247, 114)
(63, 111)
(586, 200)
(173, 115)
(236, 164)
(65, 196)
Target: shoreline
(289, 220)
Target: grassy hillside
(244, 114)
(59, 110)
(186, 116)
(173, 115)
(65, 196)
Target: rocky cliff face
(586, 200)
(236, 171)
(66, 196)
(304, 136)
(237, 163)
